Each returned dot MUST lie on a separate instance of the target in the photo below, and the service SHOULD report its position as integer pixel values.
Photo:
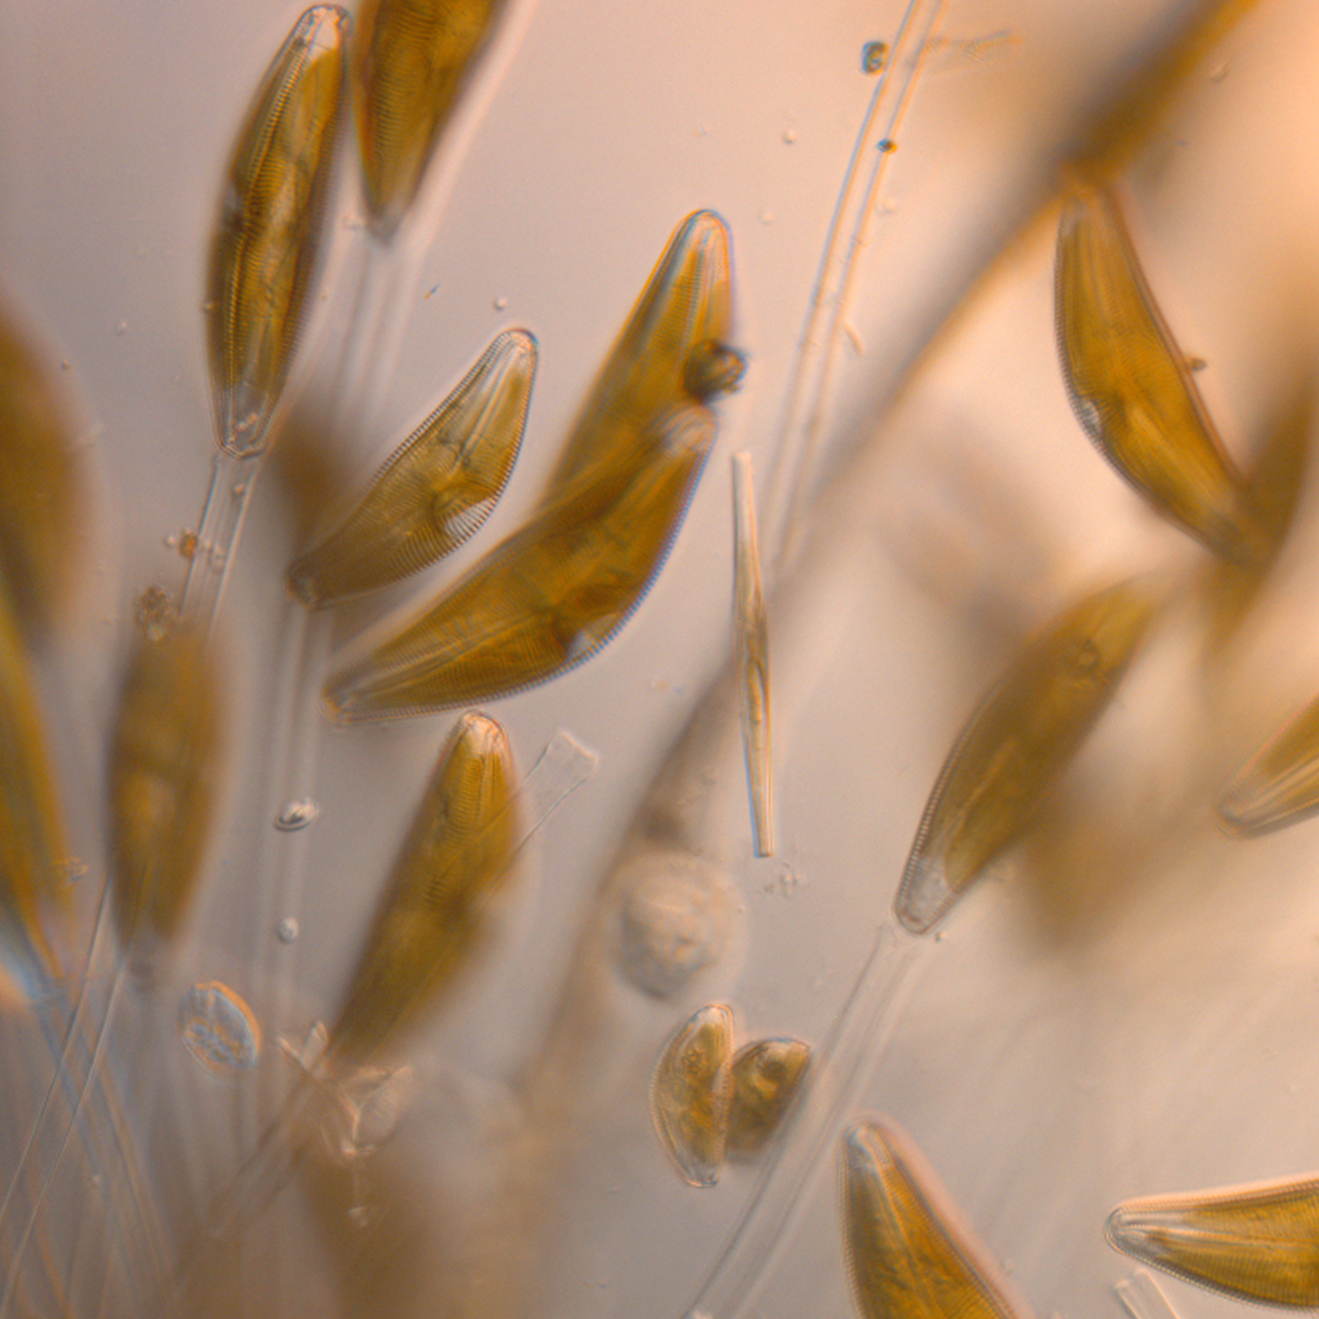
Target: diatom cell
(908, 1253)
(675, 919)
(218, 1029)
(265, 251)
(1280, 784)
(410, 61)
(767, 1077)
(1255, 1243)
(437, 487)
(459, 852)
(1017, 743)
(544, 601)
(1131, 386)
(691, 1092)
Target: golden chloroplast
(1280, 784)
(691, 1092)
(265, 252)
(436, 488)
(767, 1078)
(1017, 743)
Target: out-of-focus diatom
(41, 487)
(410, 61)
(874, 56)
(691, 1092)
(265, 252)
(218, 1029)
(163, 779)
(675, 920)
(1017, 743)
(1131, 386)
(436, 488)
(1256, 1243)
(908, 1253)
(753, 655)
(544, 601)
(1280, 784)
(459, 852)
(767, 1076)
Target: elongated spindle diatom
(691, 1091)
(1131, 386)
(1257, 1243)
(1280, 783)
(1021, 738)
(265, 252)
(908, 1253)
(436, 488)
(411, 59)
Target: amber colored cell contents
(410, 61)
(1257, 1244)
(1280, 784)
(265, 251)
(1017, 743)
(1131, 386)
(436, 488)
(908, 1255)
(459, 852)
(767, 1077)
(691, 1092)
(164, 769)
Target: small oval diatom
(691, 1092)
(1258, 1243)
(265, 252)
(436, 488)
(767, 1078)
(1018, 742)
(218, 1029)
(908, 1253)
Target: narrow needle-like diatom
(1280, 784)
(691, 1092)
(767, 1076)
(753, 655)
(459, 852)
(1255, 1243)
(163, 779)
(908, 1255)
(436, 488)
(1131, 386)
(265, 252)
(410, 61)
(1017, 743)
(41, 487)
(545, 600)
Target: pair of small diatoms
(1016, 745)
(909, 1254)
(708, 1103)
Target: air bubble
(286, 931)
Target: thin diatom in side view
(1257, 1243)
(908, 1254)
(411, 59)
(544, 601)
(691, 1092)
(460, 850)
(265, 251)
(1131, 386)
(1017, 743)
(1280, 783)
(767, 1077)
(164, 768)
(437, 487)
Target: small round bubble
(286, 931)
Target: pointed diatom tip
(515, 346)
(924, 896)
(1127, 1231)
(324, 25)
(480, 735)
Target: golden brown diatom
(41, 485)
(1021, 738)
(436, 488)
(459, 852)
(163, 777)
(545, 600)
(691, 1092)
(1256, 1243)
(907, 1252)
(767, 1077)
(1131, 386)
(265, 252)
(34, 901)
(410, 61)
(1280, 784)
